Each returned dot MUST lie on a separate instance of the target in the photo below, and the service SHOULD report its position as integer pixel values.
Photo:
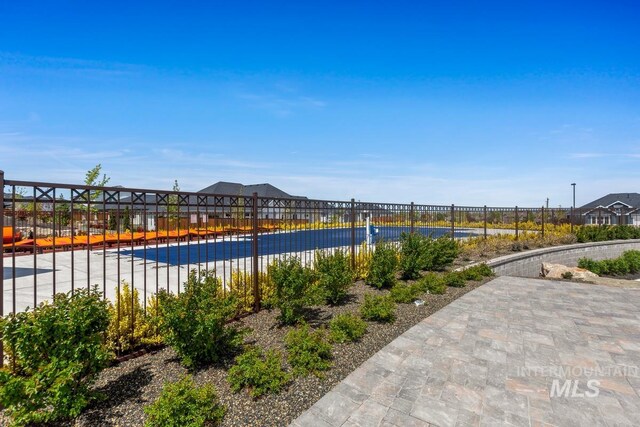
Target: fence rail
(60, 237)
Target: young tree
(92, 178)
(173, 209)
(113, 222)
(126, 219)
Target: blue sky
(472, 103)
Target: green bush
(383, 266)
(633, 260)
(412, 254)
(292, 282)
(432, 283)
(378, 308)
(455, 279)
(440, 253)
(183, 404)
(627, 263)
(261, 373)
(347, 327)
(591, 265)
(308, 351)
(58, 350)
(477, 272)
(405, 293)
(196, 322)
(334, 274)
(599, 233)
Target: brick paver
(515, 351)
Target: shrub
(195, 323)
(347, 327)
(591, 265)
(412, 254)
(455, 279)
(600, 233)
(125, 332)
(184, 404)
(334, 274)
(627, 263)
(241, 286)
(440, 253)
(384, 263)
(405, 293)
(477, 272)
(432, 283)
(378, 308)
(58, 351)
(261, 373)
(308, 351)
(632, 258)
(292, 281)
(567, 275)
(363, 261)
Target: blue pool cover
(271, 244)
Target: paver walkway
(515, 351)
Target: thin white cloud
(282, 101)
(71, 67)
(588, 155)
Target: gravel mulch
(130, 385)
(135, 383)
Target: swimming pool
(271, 244)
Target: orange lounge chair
(180, 235)
(22, 245)
(203, 232)
(9, 236)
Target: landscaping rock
(559, 271)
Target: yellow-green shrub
(363, 261)
(124, 334)
(241, 286)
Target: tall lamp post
(573, 206)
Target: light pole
(573, 206)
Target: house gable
(631, 200)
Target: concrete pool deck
(105, 269)
(515, 351)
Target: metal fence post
(2, 264)
(353, 234)
(453, 220)
(254, 255)
(543, 221)
(484, 212)
(571, 219)
(411, 218)
(517, 223)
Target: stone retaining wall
(528, 264)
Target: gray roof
(631, 199)
(237, 189)
(223, 187)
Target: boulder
(556, 271)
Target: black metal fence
(60, 237)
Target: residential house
(614, 208)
